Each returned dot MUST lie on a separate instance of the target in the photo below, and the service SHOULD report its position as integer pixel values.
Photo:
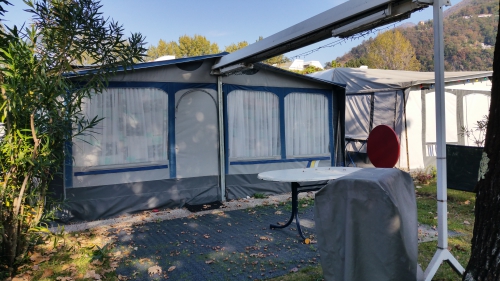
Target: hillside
(470, 29)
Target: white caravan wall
(476, 106)
(414, 132)
(430, 121)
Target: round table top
(307, 174)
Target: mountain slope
(470, 29)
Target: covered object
(366, 223)
(174, 134)
(404, 100)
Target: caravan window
(306, 124)
(132, 133)
(253, 124)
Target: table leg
(295, 212)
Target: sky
(220, 21)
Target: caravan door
(196, 133)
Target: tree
(196, 46)
(391, 50)
(356, 63)
(235, 47)
(332, 64)
(277, 60)
(187, 46)
(40, 106)
(484, 263)
(311, 69)
(163, 49)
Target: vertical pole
(442, 253)
(222, 156)
(440, 126)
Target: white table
(296, 176)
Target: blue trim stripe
(279, 161)
(114, 171)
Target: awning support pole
(442, 253)
(222, 155)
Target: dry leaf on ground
(294, 269)
(37, 258)
(171, 268)
(92, 274)
(209, 261)
(65, 278)
(47, 273)
(154, 270)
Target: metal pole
(442, 253)
(222, 155)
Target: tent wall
(415, 123)
(364, 112)
(158, 146)
(369, 101)
(242, 170)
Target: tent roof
(301, 76)
(369, 80)
(153, 64)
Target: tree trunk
(484, 263)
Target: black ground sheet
(225, 245)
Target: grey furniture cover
(366, 224)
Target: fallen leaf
(467, 222)
(467, 202)
(209, 261)
(121, 277)
(206, 236)
(171, 268)
(154, 270)
(91, 274)
(37, 258)
(264, 238)
(47, 273)
(278, 212)
(61, 278)
(294, 269)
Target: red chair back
(383, 147)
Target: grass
(80, 256)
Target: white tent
(174, 134)
(405, 101)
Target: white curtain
(253, 121)
(134, 129)
(306, 124)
